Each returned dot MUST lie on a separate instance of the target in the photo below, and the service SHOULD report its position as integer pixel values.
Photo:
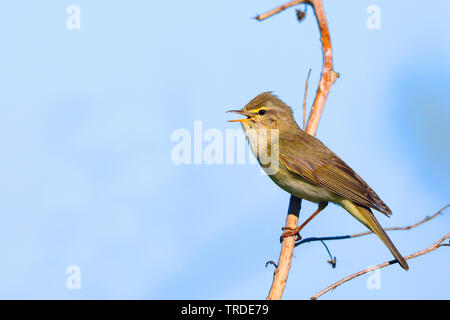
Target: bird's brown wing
(317, 164)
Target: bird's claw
(289, 232)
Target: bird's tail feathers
(366, 217)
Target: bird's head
(265, 111)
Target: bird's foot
(290, 232)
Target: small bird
(309, 170)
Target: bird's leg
(296, 232)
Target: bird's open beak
(239, 112)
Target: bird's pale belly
(288, 181)
(301, 188)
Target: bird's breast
(301, 188)
(265, 147)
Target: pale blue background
(85, 123)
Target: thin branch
(279, 9)
(435, 246)
(328, 77)
(304, 98)
(312, 239)
(332, 260)
(407, 227)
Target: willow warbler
(307, 169)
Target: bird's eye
(262, 112)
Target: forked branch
(328, 77)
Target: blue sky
(86, 118)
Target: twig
(332, 260)
(312, 239)
(407, 227)
(304, 98)
(279, 9)
(328, 77)
(435, 246)
(272, 263)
